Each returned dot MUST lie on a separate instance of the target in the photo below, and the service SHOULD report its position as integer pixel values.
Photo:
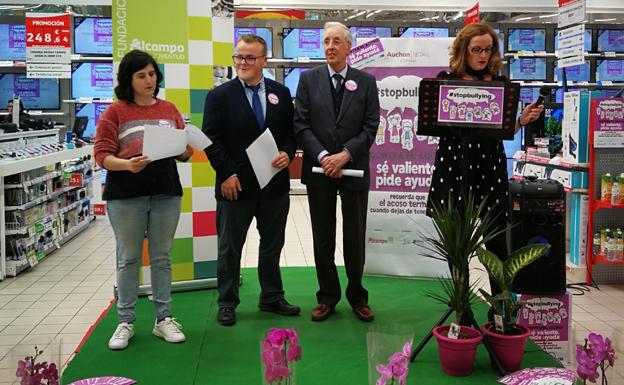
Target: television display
(529, 94)
(92, 80)
(35, 94)
(559, 94)
(269, 73)
(527, 68)
(553, 122)
(368, 32)
(303, 42)
(263, 32)
(577, 73)
(291, 79)
(526, 39)
(611, 40)
(587, 42)
(93, 112)
(93, 35)
(423, 32)
(501, 42)
(13, 42)
(610, 69)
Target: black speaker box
(537, 215)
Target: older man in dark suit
(336, 118)
(235, 114)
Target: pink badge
(273, 99)
(350, 85)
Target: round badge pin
(273, 99)
(350, 85)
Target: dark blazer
(230, 123)
(317, 127)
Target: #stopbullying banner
(402, 162)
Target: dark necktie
(338, 78)
(256, 105)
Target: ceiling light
(360, 13)
(459, 14)
(524, 18)
(603, 20)
(436, 17)
(546, 16)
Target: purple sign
(614, 67)
(471, 104)
(365, 53)
(527, 65)
(608, 122)
(615, 37)
(527, 36)
(103, 31)
(310, 38)
(101, 76)
(25, 87)
(539, 376)
(17, 36)
(109, 380)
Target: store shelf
(583, 167)
(601, 259)
(25, 229)
(41, 179)
(599, 205)
(10, 167)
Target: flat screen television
(558, 94)
(525, 68)
(529, 94)
(610, 69)
(263, 32)
(610, 40)
(423, 32)
(291, 79)
(13, 42)
(369, 32)
(269, 73)
(526, 39)
(93, 35)
(587, 42)
(577, 73)
(303, 42)
(92, 111)
(92, 80)
(35, 94)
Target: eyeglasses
(238, 59)
(478, 50)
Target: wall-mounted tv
(263, 32)
(303, 42)
(92, 80)
(610, 40)
(527, 68)
(577, 73)
(13, 42)
(610, 69)
(587, 42)
(93, 35)
(423, 32)
(526, 39)
(35, 94)
(369, 32)
(529, 94)
(93, 112)
(291, 79)
(558, 96)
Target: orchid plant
(596, 353)
(280, 350)
(31, 372)
(397, 368)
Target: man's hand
(137, 164)
(332, 164)
(281, 160)
(230, 188)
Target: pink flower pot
(509, 349)
(457, 356)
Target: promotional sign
(401, 162)
(48, 41)
(365, 53)
(472, 15)
(99, 209)
(607, 119)
(570, 12)
(571, 44)
(475, 105)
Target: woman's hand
(137, 164)
(186, 154)
(530, 114)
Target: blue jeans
(132, 219)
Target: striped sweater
(120, 133)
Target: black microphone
(544, 91)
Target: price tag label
(99, 209)
(75, 180)
(454, 330)
(498, 322)
(32, 260)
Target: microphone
(544, 91)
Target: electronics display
(577, 73)
(553, 122)
(35, 94)
(93, 35)
(559, 94)
(529, 94)
(13, 42)
(423, 32)
(368, 32)
(92, 111)
(526, 39)
(269, 73)
(501, 42)
(610, 69)
(92, 80)
(587, 42)
(303, 42)
(611, 40)
(525, 68)
(291, 79)
(263, 32)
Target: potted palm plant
(461, 229)
(506, 338)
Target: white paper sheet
(261, 153)
(345, 172)
(196, 137)
(163, 142)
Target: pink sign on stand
(109, 380)
(471, 104)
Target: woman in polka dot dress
(474, 56)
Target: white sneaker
(122, 335)
(170, 330)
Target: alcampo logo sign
(160, 51)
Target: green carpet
(334, 351)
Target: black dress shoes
(281, 306)
(226, 316)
